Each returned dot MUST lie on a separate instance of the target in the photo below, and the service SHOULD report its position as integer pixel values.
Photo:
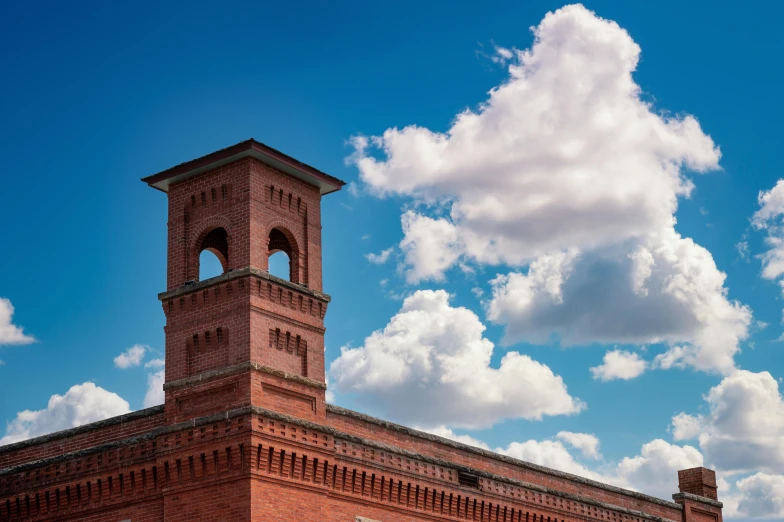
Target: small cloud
(478, 292)
(619, 364)
(586, 443)
(365, 237)
(498, 55)
(400, 296)
(131, 357)
(353, 189)
(502, 55)
(380, 258)
(685, 427)
(703, 211)
(9, 332)
(742, 248)
(383, 282)
(347, 207)
(155, 363)
(467, 269)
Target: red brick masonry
(245, 432)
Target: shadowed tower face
(244, 337)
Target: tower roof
(248, 148)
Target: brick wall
(81, 438)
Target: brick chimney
(698, 481)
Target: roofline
(248, 148)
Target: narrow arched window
(213, 254)
(283, 255)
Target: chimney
(698, 481)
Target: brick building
(245, 432)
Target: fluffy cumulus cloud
(743, 430)
(131, 357)
(619, 364)
(567, 174)
(586, 443)
(553, 454)
(9, 332)
(670, 292)
(655, 470)
(759, 496)
(81, 404)
(430, 366)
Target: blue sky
(97, 96)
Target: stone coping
(197, 422)
(236, 274)
(697, 498)
(496, 456)
(238, 368)
(84, 428)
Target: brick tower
(245, 337)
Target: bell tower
(245, 337)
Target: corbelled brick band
(245, 432)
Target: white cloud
(553, 454)
(771, 206)
(605, 296)
(430, 366)
(586, 443)
(744, 428)
(9, 332)
(564, 154)
(430, 246)
(742, 247)
(380, 258)
(761, 496)
(155, 363)
(567, 170)
(655, 470)
(685, 427)
(619, 364)
(82, 404)
(155, 380)
(131, 357)
(770, 218)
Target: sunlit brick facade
(245, 432)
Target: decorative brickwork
(245, 432)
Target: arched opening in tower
(214, 254)
(283, 255)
